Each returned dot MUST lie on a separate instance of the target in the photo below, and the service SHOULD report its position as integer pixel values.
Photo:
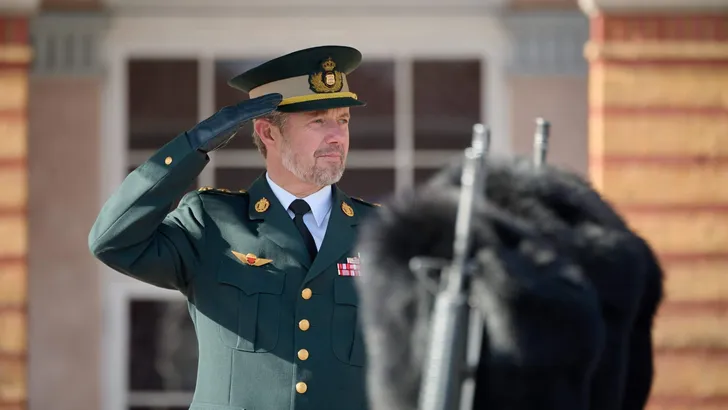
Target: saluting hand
(215, 131)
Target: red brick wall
(14, 60)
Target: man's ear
(266, 131)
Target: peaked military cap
(309, 79)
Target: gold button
(301, 387)
(306, 293)
(304, 325)
(303, 354)
(168, 160)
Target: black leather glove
(215, 132)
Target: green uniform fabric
(247, 318)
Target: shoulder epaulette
(365, 202)
(211, 190)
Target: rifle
(446, 368)
(541, 141)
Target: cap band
(299, 89)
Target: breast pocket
(346, 337)
(249, 306)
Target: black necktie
(300, 208)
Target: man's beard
(317, 174)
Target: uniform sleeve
(136, 234)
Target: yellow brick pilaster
(15, 56)
(658, 148)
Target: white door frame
(207, 38)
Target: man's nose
(335, 133)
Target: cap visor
(321, 105)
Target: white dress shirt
(320, 202)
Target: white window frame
(209, 38)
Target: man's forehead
(333, 112)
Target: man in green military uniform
(269, 273)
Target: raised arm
(136, 234)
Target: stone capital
(11, 7)
(68, 43)
(595, 7)
(547, 43)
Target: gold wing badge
(250, 259)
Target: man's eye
(344, 121)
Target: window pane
(236, 178)
(162, 101)
(163, 347)
(226, 95)
(423, 175)
(446, 103)
(369, 184)
(372, 126)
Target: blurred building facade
(642, 110)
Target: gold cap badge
(328, 80)
(262, 205)
(348, 210)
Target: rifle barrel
(446, 362)
(541, 141)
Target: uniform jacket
(275, 330)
